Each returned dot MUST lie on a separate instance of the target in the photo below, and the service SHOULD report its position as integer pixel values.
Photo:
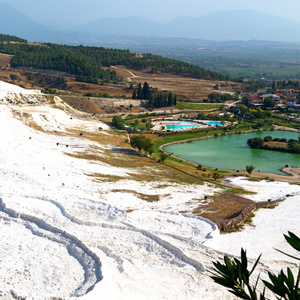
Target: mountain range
(218, 26)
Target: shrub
(163, 157)
(118, 122)
(235, 276)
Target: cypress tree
(170, 99)
(140, 92)
(146, 91)
(134, 94)
(175, 100)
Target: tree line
(293, 146)
(156, 98)
(56, 57)
(11, 38)
(219, 98)
(290, 84)
(252, 86)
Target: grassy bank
(197, 106)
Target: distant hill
(231, 25)
(136, 26)
(14, 22)
(219, 26)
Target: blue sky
(81, 11)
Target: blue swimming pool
(180, 125)
(213, 123)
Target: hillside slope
(83, 215)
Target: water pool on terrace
(180, 125)
(213, 123)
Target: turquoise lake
(232, 152)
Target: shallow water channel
(232, 152)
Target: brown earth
(184, 87)
(229, 211)
(5, 59)
(83, 104)
(223, 206)
(276, 144)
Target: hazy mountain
(16, 23)
(135, 26)
(221, 26)
(235, 25)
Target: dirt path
(126, 71)
(285, 128)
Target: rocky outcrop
(234, 222)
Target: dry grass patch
(5, 59)
(273, 144)
(27, 119)
(145, 197)
(223, 206)
(143, 168)
(184, 87)
(104, 177)
(83, 104)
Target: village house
(288, 92)
(255, 101)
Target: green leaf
(244, 259)
(287, 254)
(229, 265)
(293, 240)
(223, 281)
(255, 264)
(290, 277)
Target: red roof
(254, 98)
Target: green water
(232, 152)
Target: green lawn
(196, 106)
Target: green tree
(146, 91)
(141, 142)
(268, 138)
(243, 109)
(274, 86)
(134, 95)
(140, 92)
(118, 122)
(175, 100)
(269, 102)
(163, 156)
(256, 143)
(249, 169)
(149, 124)
(216, 176)
(170, 99)
(245, 100)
